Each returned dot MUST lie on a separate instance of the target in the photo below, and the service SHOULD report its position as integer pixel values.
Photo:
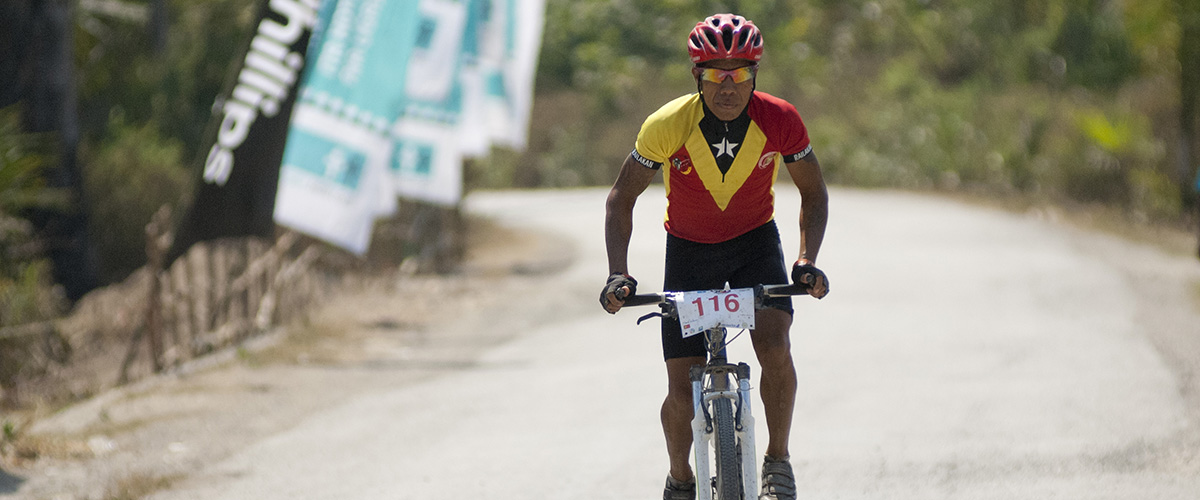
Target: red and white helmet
(725, 36)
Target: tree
(51, 107)
(1189, 84)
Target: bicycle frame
(712, 382)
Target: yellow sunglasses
(739, 75)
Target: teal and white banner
(398, 92)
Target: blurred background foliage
(1059, 101)
(26, 292)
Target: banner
(501, 64)
(236, 195)
(399, 93)
(334, 181)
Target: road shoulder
(380, 332)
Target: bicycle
(722, 414)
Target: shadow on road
(9, 483)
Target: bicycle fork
(701, 433)
(745, 434)
(702, 426)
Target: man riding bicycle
(719, 151)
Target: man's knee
(679, 381)
(775, 358)
(772, 339)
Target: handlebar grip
(643, 299)
(785, 290)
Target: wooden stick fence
(218, 294)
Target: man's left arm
(814, 211)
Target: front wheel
(729, 464)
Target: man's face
(728, 98)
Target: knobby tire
(729, 470)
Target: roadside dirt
(379, 332)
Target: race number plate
(699, 311)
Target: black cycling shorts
(754, 258)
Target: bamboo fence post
(273, 273)
(181, 301)
(156, 236)
(173, 354)
(260, 260)
(220, 292)
(200, 288)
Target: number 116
(731, 303)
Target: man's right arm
(618, 216)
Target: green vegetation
(25, 291)
(1067, 101)
(132, 156)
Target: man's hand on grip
(619, 286)
(804, 273)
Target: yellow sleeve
(665, 131)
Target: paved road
(963, 353)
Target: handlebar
(760, 292)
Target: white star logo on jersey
(725, 147)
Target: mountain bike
(722, 418)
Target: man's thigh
(772, 335)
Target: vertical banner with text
(236, 195)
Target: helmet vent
(712, 38)
(727, 37)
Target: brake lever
(668, 311)
(648, 316)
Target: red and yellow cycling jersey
(720, 175)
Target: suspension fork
(745, 433)
(701, 432)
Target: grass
(28, 448)
(305, 343)
(17, 447)
(138, 486)
(1177, 237)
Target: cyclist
(719, 151)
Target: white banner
(342, 187)
(400, 92)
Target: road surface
(963, 352)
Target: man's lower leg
(778, 390)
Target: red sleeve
(782, 125)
